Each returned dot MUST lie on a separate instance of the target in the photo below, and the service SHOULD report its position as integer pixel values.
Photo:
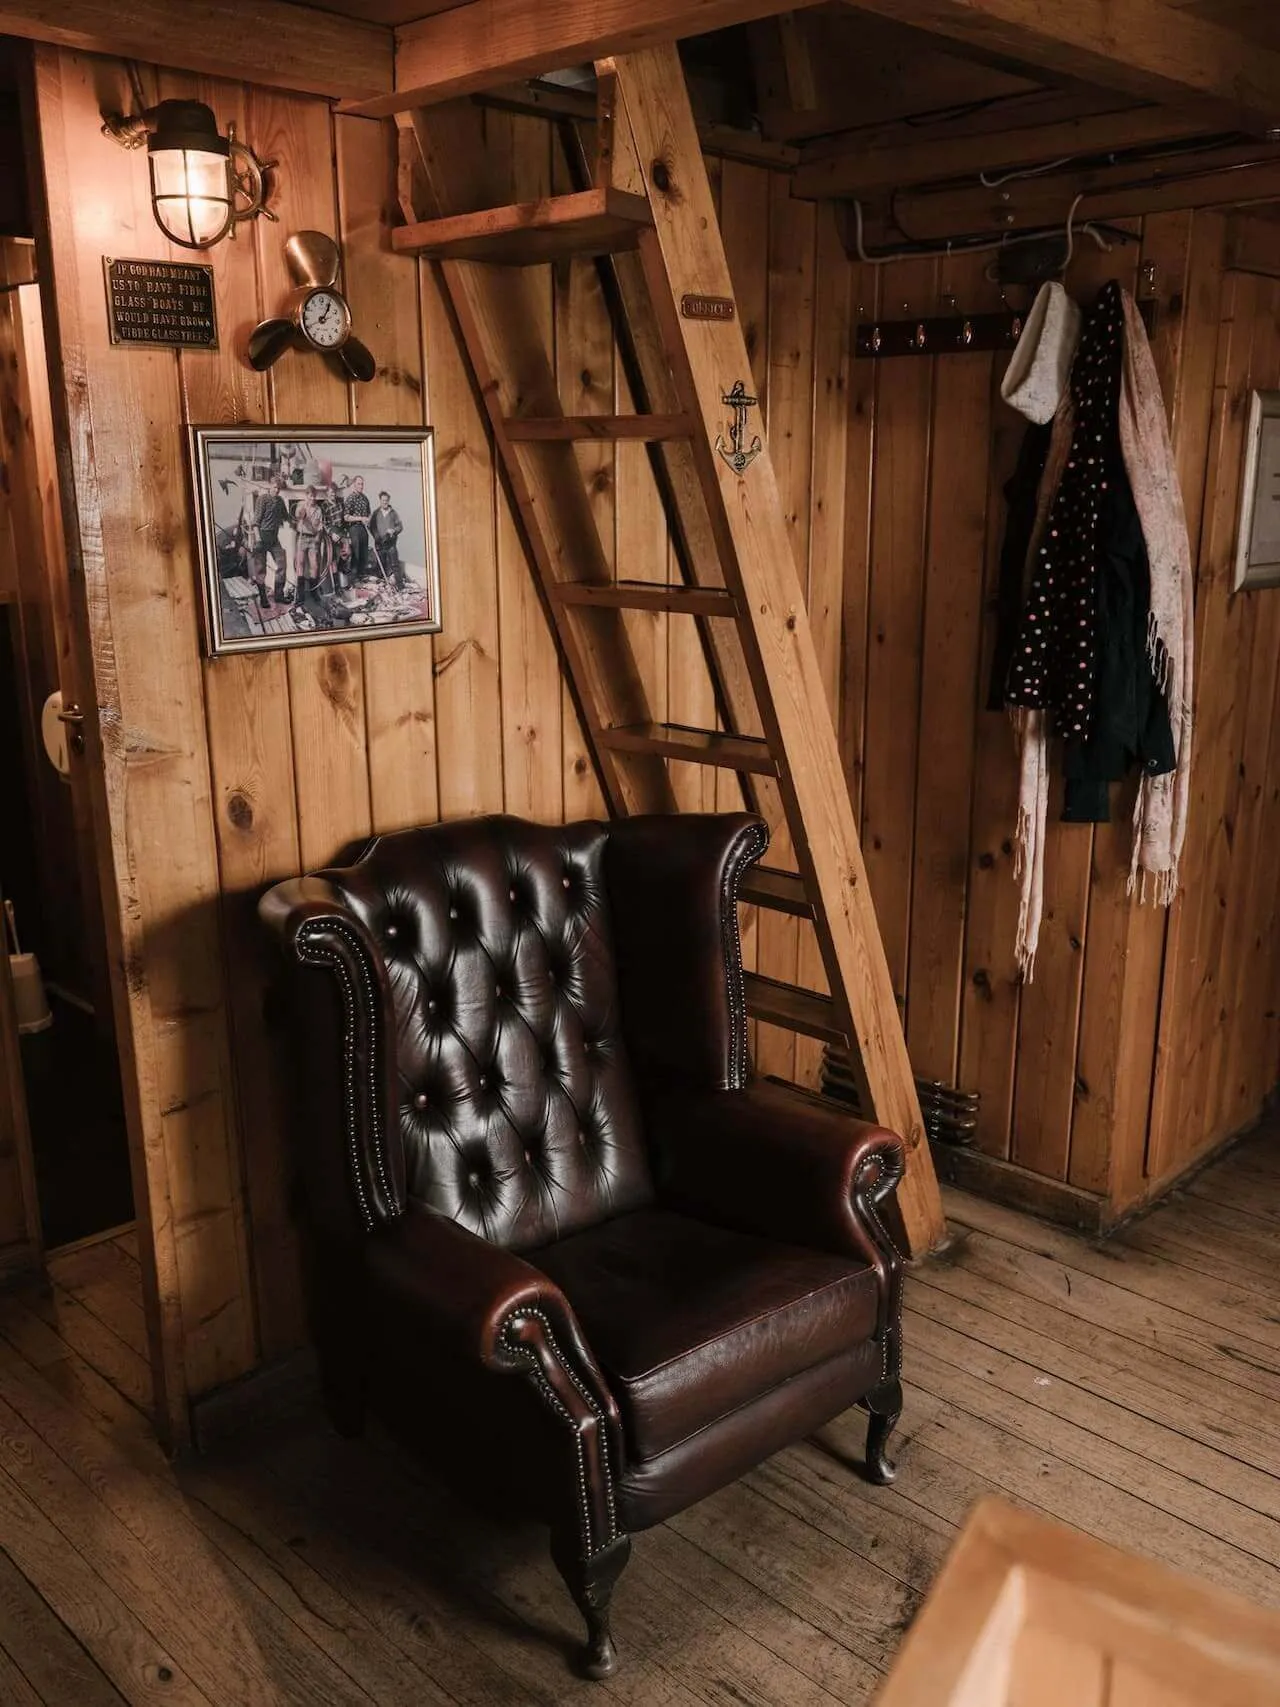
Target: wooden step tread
(793, 1008)
(592, 222)
(783, 891)
(699, 746)
(647, 595)
(650, 429)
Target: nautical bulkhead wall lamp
(202, 183)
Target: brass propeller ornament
(316, 313)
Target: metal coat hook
(1147, 297)
(939, 335)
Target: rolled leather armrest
(288, 906)
(346, 1072)
(480, 1301)
(463, 1290)
(774, 1161)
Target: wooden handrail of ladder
(651, 212)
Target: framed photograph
(1258, 539)
(314, 535)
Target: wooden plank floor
(1128, 1388)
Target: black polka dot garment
(1055, 661)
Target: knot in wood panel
(240, 811)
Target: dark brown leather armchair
(557, 1234)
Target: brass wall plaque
(707, 307)
(165, 303)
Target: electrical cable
(1024, 172)
(976, 245)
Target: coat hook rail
(938, 335)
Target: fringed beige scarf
(1033, 817)
(1031, 727)
(1160, 813)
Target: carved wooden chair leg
(591, 1583)
(884, 1405)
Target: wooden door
(73, 945)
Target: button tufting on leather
(531, 992)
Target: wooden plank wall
(233, 773)
(1066, 1066)
(1217, 1042)
(220, 777)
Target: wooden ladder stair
(655, 232)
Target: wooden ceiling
(910, 123)
(863, 70)
(390, 12)
(902, 105)
(1116, 101)
(1257, 19)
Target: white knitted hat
(1041, 364)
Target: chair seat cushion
(690, 1321)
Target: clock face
(326, 319)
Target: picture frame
(1258, 534)
(288, 555)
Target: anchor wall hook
(737, 453)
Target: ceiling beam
(1143, 47)
(485, 42)
(1218, 177)
(860, 165)
(261, 41)
(552, 100)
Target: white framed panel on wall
(1258, 536)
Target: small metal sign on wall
(695, 306)
(165, 303)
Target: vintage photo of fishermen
(311, 539)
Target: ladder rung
(784, 891)
(793, 1008)
(651, 429)
(647, 595)
(699, 746)
(593, 222)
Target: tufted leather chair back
(516, 1111)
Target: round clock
(324, 319)
(316, 313)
